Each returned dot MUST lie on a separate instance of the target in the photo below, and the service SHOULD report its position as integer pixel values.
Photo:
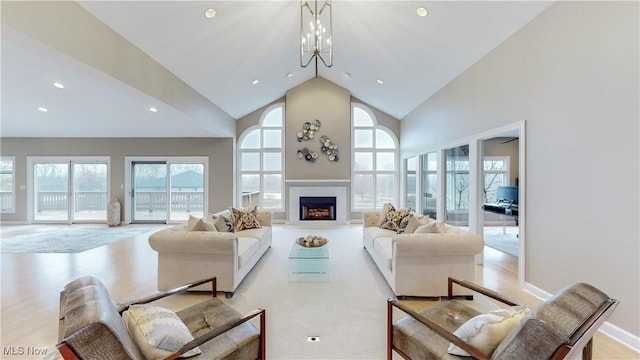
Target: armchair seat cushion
(242, 342)
(418, 342)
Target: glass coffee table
(309, 264)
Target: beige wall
(323, 100)
(572, 74)
(219, 151)
(319, 99)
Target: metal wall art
(308, 130)
(327, 147)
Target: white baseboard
(2, 222)
(614, 332)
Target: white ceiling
(249, 40)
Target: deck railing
(145, 200)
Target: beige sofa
(418, 264)
(185, 256)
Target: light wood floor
(31, 284)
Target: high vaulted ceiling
(246, 40)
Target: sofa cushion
(392, 218)
(157, 331)
(247, 247)
(383, 246)
(222, 223)
(432, 227)
(486, 331)
(198, 224)
(245, 218)
(256, 233)
(414, 221)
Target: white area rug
(298, 310)
(66, 239)
(503, 239)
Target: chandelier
(316, 34)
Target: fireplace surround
(317, 189)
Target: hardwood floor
(31, 285)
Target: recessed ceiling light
(152, 109)
(255, 82)
(347, 74)
(379, 81)
(43, 109)
(210, 13)
(58, 85)
(422, 12)
(289, 74)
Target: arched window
(261, 161)
(374, 178)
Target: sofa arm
(193, 242)
(442, 244)
(264, 217)
(371, 218)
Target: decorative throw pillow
(385, 208)
(413, 222)
(197, 224)
(192, 221)
(223, 223)
(403, 224)
(245, 218)
(432, 227)
(157, 331)
(486, 331)
(392, 217)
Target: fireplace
(314, 189)
(317, 208)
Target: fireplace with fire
(317, 208)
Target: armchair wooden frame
(581, 339)
(68, 353)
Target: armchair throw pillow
(486, 331)
(158, 332)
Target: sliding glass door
(69, 190)
(149, 192)
(167, 191)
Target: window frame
(506, 171)
(261, 151)
(12, 172)
(375, 151)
